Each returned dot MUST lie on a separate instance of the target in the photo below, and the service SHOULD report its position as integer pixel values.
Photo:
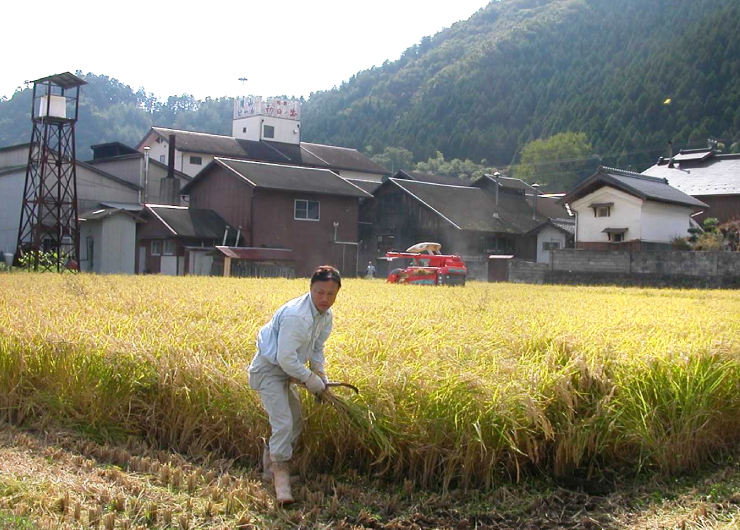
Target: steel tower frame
(48, 233)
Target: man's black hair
(326, 273)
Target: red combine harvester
(430, 266)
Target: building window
(156, 248)
(603, 211)
(306, 210)
(196, 160)
(162, 159)
(616, 237)
(269, 131)
(550, 245)
(244, 129)
(169, 247)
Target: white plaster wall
(118, 245)
(286, 131)
(11, 200)
(193, 169)
(626, 213)
(548, 234)
(662, 222)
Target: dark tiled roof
(549, 207)
(567, 225)
(289, 178)
(219, 145)
(470, 208)
(433, 179)
(339, 157)
(642, 186)
(305, 154)
(715, 175)
(190, 222)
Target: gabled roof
(642, 186)
(219, 145)
(102, 213)
(702, 173)
(305, 154)
(189, 222)
(567, 226)
(470, 208)
(339, 157)
(368, 186)
(284, 178)
(428, 177)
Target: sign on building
(245, 107)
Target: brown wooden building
(312, 212)
(468, 220)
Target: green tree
(394, 158)
(558, 162)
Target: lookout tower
(272, 119)
(48, 234)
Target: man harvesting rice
(295, 335)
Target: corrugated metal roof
(65, 80)
(471, 208)
(291, 178)
(717, 175)
(642, 186)
(102, 213)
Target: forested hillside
(111, 111)
(519, 70)
(622, 76)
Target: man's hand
(314, 384)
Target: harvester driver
(295, 335)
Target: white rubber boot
(281, 475)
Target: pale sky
(289, 47)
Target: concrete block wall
(660, 268)
(590, 260)
(521, 271)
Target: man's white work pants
(283, 407)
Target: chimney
(171, 159)
(169, 187)
(670, 153)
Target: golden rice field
(459, 386)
